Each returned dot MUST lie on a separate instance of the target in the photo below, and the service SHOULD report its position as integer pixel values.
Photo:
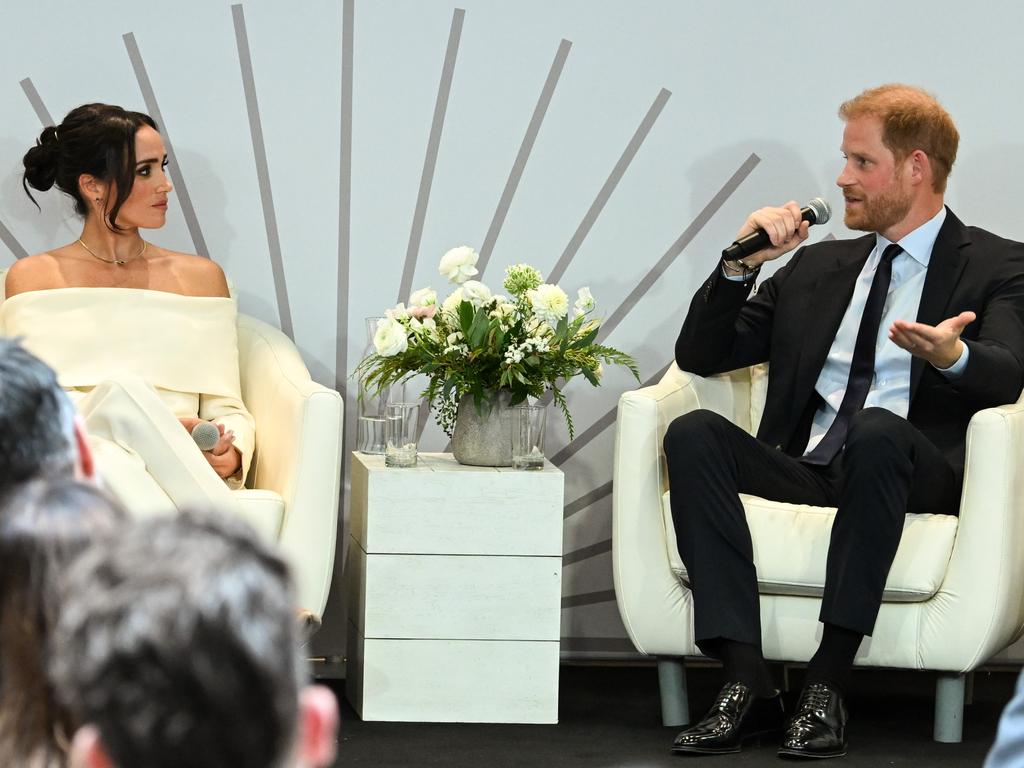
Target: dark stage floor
(609, 716)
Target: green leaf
(465, 317)
(478, 329)
(586, 339)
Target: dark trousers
(887, 469)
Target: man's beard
(881, 212)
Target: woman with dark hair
(143, 338)
(44, 524)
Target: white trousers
(144, 456)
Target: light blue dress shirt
(890, 388)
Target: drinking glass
(400, 428)
(528, 422)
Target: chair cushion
(791, 543)
(263, 510)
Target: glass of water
(528, 422)
(400, 425)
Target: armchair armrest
(645, 587)
(981, 601)
(298, 452)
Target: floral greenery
(476, 342)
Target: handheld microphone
(817, 211)
(206, 435)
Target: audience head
(39, 432)
(178, 647)
(44, 524)
(90, 156)
(912, 119)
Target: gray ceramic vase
(484, 440)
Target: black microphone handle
(759, 240)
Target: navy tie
(862, 366)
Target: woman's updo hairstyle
(98, 139)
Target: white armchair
(954, 596)
(294, 482)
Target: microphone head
(206, 435)
(822, 210)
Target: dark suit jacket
(793, 318)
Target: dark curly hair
(97, 139)
(36, 418)
(178, 641)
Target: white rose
(476, 293)
(459, 264)
(390, 338)
(504, 311)
(584, 301)
(424, 297)
(550, 303)
(398, 313)
(451, 304)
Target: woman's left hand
(224, 457)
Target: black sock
(834, 658)
(743, 663)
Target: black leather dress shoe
(818, 727)
(737, 716)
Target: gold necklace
(119, 262)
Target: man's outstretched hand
(939, 344)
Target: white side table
(454, 588)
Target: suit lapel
(947, 263)
(829, 299)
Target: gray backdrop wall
(326, 153)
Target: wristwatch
(741, 268)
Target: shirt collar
(919, 243)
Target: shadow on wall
(782, 174)
(987, 185)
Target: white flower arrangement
(477, 342)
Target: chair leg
(675, 708)
(949, 707)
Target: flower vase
(484, 439)
(372, 404)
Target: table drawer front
(458, 681)
(461, 597)
(437, 510)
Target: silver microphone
(206, 435)
(818, 211)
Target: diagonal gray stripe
(585, 553)
(430, 161)
(598, 644)
(149, 96)
(284, 310)
(11, 242)
(587, 499)
(344, 204)
(609, 186)
(37, 102)
(597, 427)
(588, 598)
(524, 154)
(677, 247)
